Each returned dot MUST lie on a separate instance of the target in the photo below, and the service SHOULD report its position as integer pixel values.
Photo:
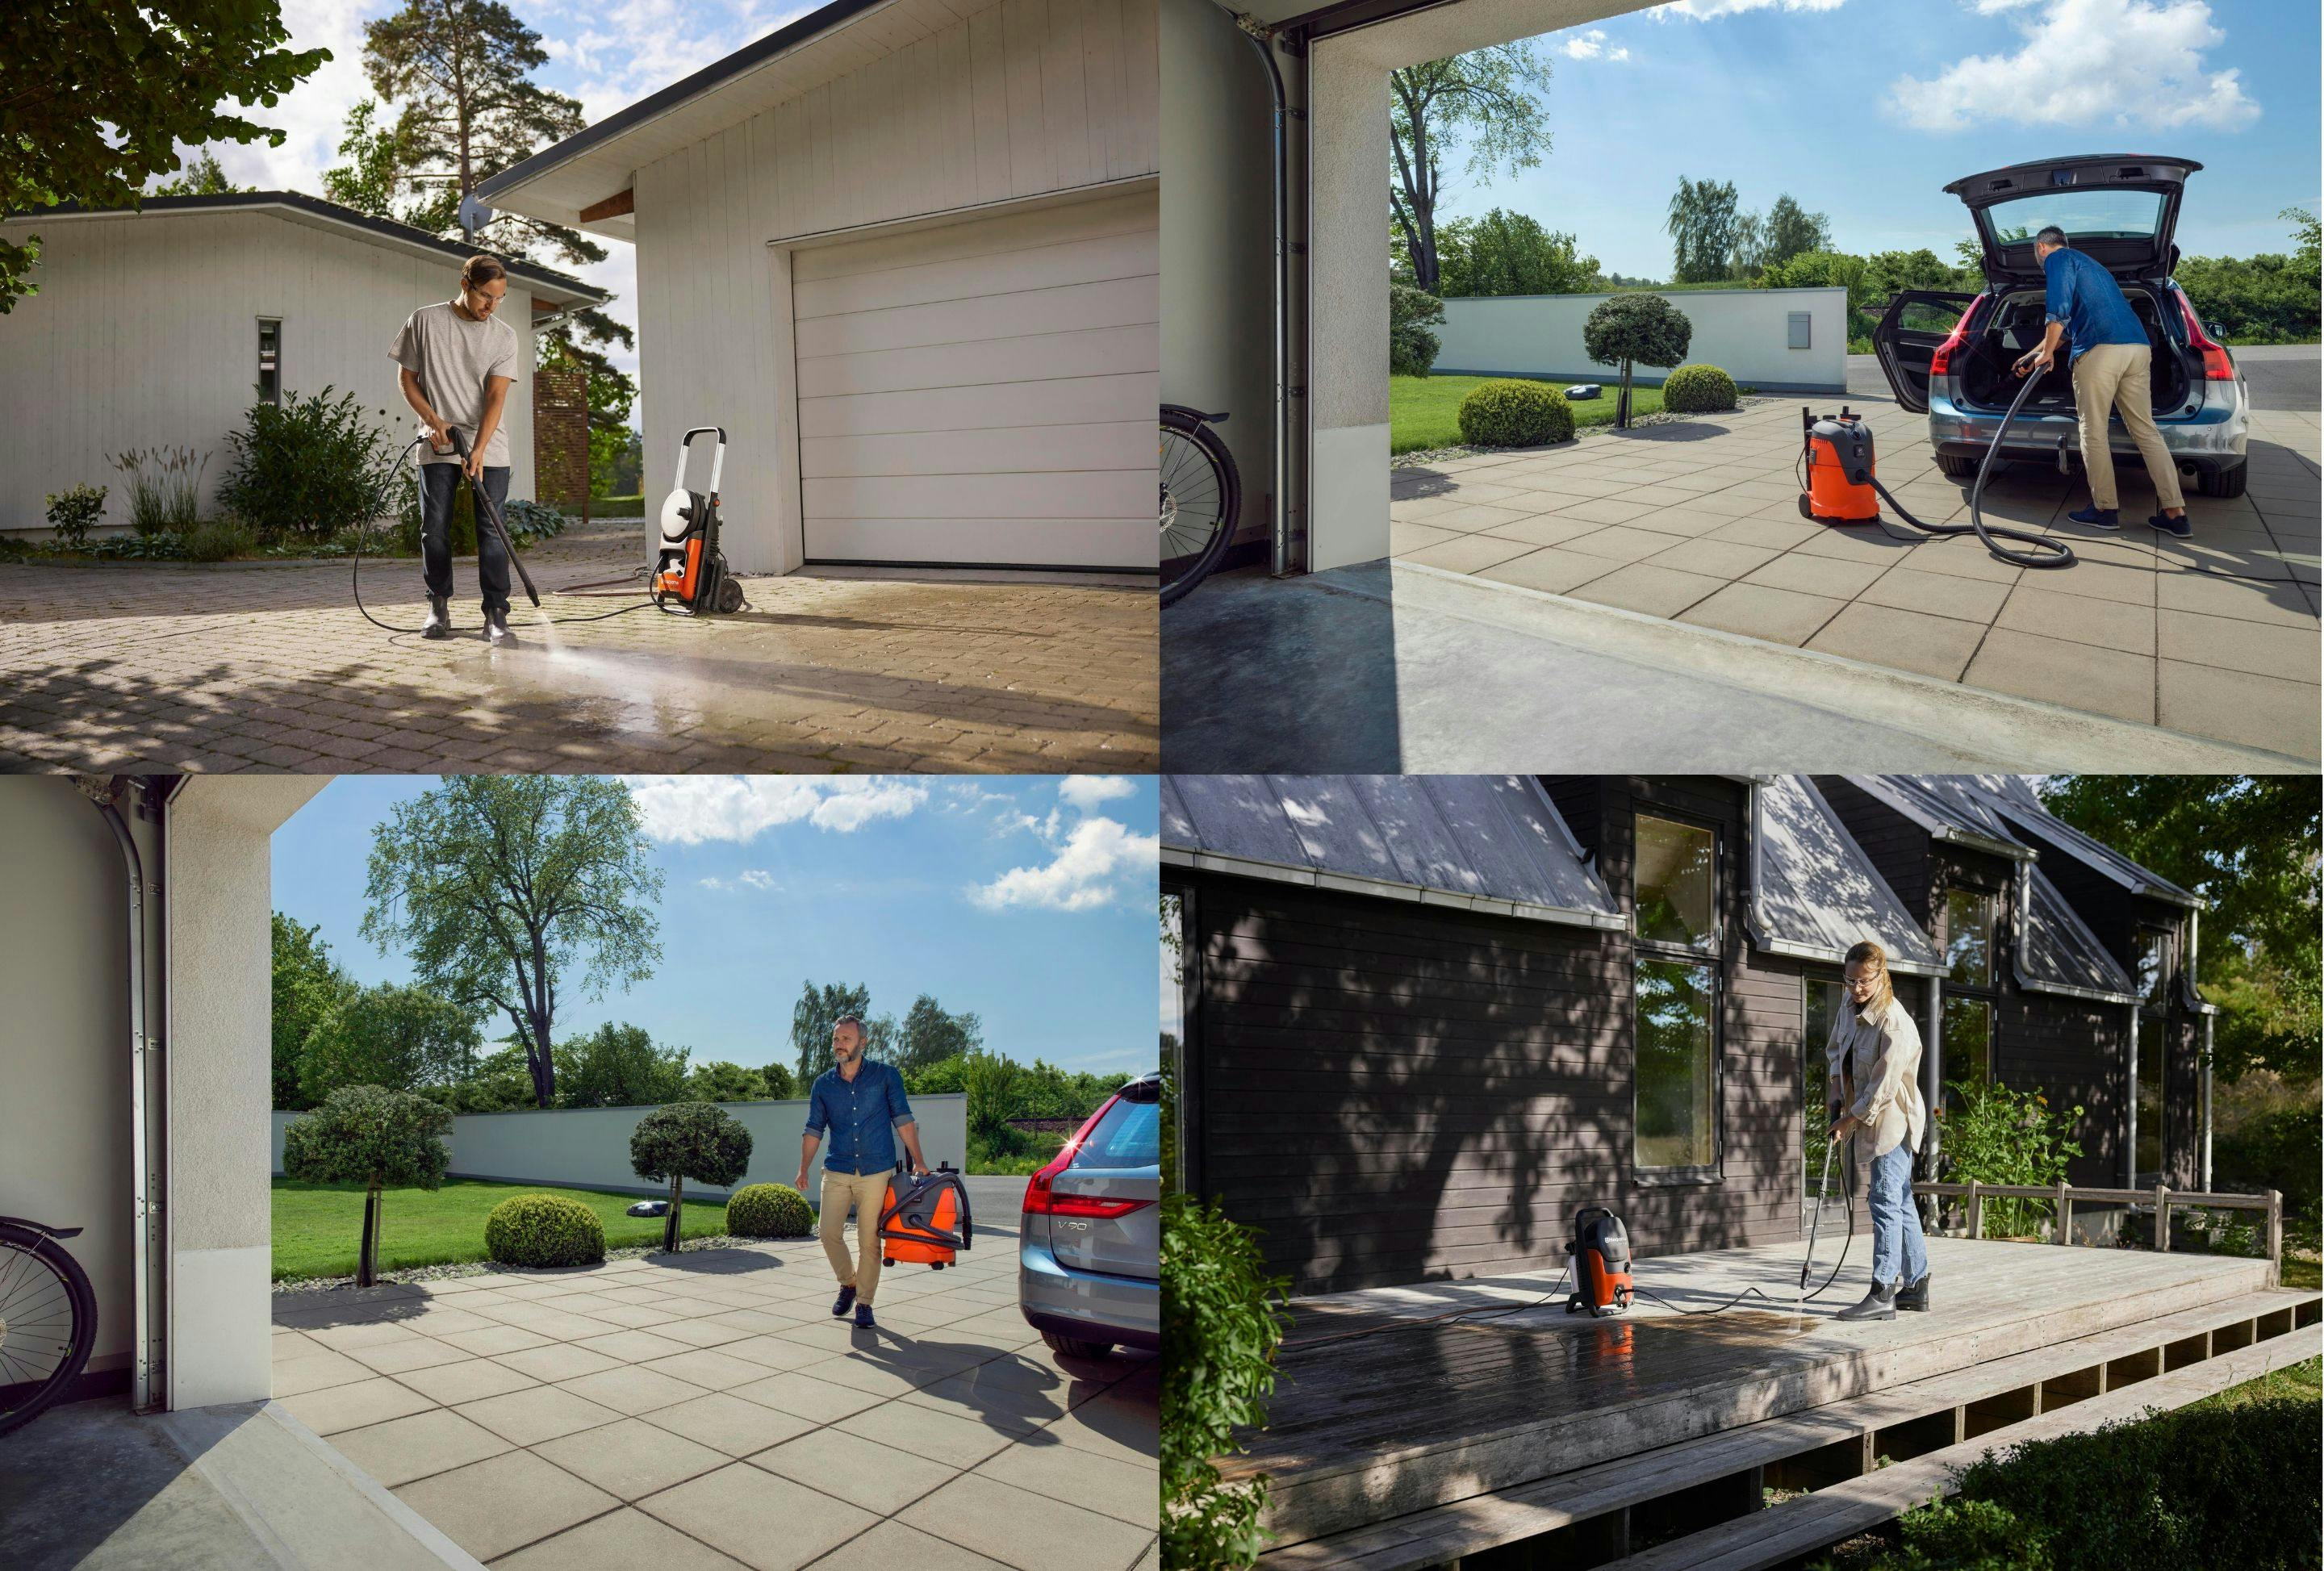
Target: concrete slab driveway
(1698, 522)
(132, 666)
(707, 1411)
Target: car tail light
(1940, 363)
(1042, 1199)
(2217, 365)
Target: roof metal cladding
(1948, 808)
(1487, 843)
(2056, 952)
(1814, 892)
(2014, 797)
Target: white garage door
(984, 393)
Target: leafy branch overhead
(1482, 104)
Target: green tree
(943, 1076)
(202, 177)
(688, 1140)
(726, 1082)
(1791, 230)
(819, 1009)
(1702, 224)
(1642, 328)
(381, 159)
(994, 1087)
(1412, 346)
(931, 1032)
(1485, 100)
(618, 1066)
(1505, 254)
(402, 1038)
(2310, 233)
(96, 99)
(1750, 248)
(461, 72)
(500, 886)
(376, 1138)
(307, 985)
(779, 1082)
(2247, 843)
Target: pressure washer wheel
(730, 593)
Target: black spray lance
(485, 505)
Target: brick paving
(1698, 521)
(706, 1410)
(137, 667)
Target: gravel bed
(485, 1268)
(1428, 456)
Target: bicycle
(48, 1319)
(1202, 498)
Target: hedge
(769, 1211)
(1698, 389)
(1509, 413)
(544, 1230)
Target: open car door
(1917, 320)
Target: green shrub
(362, 1134)
(531, 521)
(1698, 390)
(1995, 1135)
(769, 1211)
(163, 545)
(1510, 413)
(1220, 1330)
(1411, 346)
(309, 467)
(543, 1230)
(2280, 1150)
(72, 512)
(218, 541)
(165, 487)
(1644, 329)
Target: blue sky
(1029, 900)
(1863, 109)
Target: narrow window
(270, 360)
(1674, 904)
(1967, 1042)
(1969, 938)
(1675, 913)
(2147, 1162)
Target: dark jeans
(439, 484)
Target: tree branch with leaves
(1483, 103)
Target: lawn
(1424, 411)
(318, 1227)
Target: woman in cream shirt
(1874, 1057)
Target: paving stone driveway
(706, 1409)
(1698, 521)
(153, 667)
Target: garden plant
(544, 1231)
(1636, 330)
(769, 1211)
(1220, 1324)
(1997, 1135)
(377, 1138)
(1698, 390)
(1507, 412)
(688, 1140)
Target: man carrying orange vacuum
(860, 1106)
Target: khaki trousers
(2120, 379)
(867, 1192)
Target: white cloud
(757, 878)
(1591, 45)
(691, 810)
(1708, 10)
(2123, 63)
(1094, 864)
(1085, 791)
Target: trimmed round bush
(544, 1230)
(1509, 413)
(1698, 390)
(769, 1211)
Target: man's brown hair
(479, 270)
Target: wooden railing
(2163, 1197)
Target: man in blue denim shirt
(2114, 374)
(861, 1106)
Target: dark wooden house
(1424, 1019)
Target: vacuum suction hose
(2046, 552)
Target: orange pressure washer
(926, 1221)
(689, 568)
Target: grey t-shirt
(452, 355)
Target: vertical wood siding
(1021, 100)
(145, 333)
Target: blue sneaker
(2182, 526)
(2097, 517)
(864, 1317)
(847, 1299)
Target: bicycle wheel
(1201, 496)
(48, 1323)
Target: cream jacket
(1884, 1091)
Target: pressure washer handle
(491, 510)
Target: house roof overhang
(1814, 893)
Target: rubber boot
(496, 628)
(439, 618)
(1879, 1303)
(1916, 1297)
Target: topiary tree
(769, 1211)
(363, 1134)
(688, 1140)
(544, 1231)
(1698, 390)
(1411, 346)
(1507, 412)
(1645, 329)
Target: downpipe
(1279, 542)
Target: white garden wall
(1748, 333)
(588, 1148)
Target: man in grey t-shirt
(459, 361)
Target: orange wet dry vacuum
(1838, 456)
(1601, 1263)
(926, 1221)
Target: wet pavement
(130, 667)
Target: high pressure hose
(2046, 552)
(485, 505)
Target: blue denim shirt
(2083, 295)
(857, 1120)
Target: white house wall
(1745, 332)
(145, 333)
(1024, 99)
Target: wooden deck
(1425, 1411)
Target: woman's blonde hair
(1870, 954)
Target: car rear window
(2083, 215)
(1130, 1135)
